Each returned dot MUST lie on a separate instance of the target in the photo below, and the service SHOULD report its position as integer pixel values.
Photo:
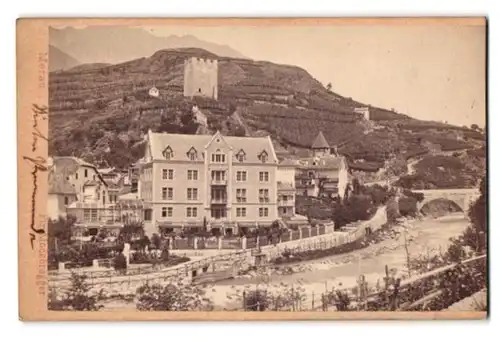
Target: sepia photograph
(336, 167)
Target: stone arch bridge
(462, 197)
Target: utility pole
(407, 252)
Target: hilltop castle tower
(201, 77)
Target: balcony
(105, 217)
(287, 203)
(218, 181)
(218, 200)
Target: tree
(356, 186)
(329, 87)
(392, 211)
(156, 241)
(144, 242)
(164, 255)
(172, 297)
(59, 231)
(239, 132)
(120, 263)
(256, 300)
(187, 118)
(77, 297)
(475, 235)
(474, 127)
(408, 206)
(130, 231)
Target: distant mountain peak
(59, 60)
(116, 44)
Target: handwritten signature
(38, 163)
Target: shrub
(77, 297)
(131, 231)
(172, 297)
(392, 211)
(164, 255)
(354, 208)
(120, 262)
(378, 194)
(476, 234)
(408, 206)
(416, 195)
(156, 241)
(340, 299)
(140, 258)
(256, 300)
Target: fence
(274, 250)
(199, 243)
(156, 273)
(416, 293)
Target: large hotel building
(213, 182)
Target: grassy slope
(109, 106)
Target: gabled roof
(106, 171)
(59, 185)
(92, 183)
(181, 144)
(320, 142)
(67, 166)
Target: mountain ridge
(112, 44)
(60, 60)
(283, 101)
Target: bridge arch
(463, 198)
(443, 205)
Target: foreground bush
(78, 297)
(120, 262)
(408, 206)
(172, 297)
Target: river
(423, 237)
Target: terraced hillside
(101, 112)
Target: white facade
(365, 111)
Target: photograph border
(32, 147)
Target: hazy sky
(432, 72)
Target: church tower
(320, 146)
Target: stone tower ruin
(201, 78)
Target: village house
(82, 176)
(77, 188)
(324, 174)
(217, 182)
(118, 182)
(199, 117)
(364, 111)
(154, 92)
(285, 177)
(60, 195)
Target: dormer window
(192, 154)
(168, 153)
(241, 156)
(218, 157)
(263, 156)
